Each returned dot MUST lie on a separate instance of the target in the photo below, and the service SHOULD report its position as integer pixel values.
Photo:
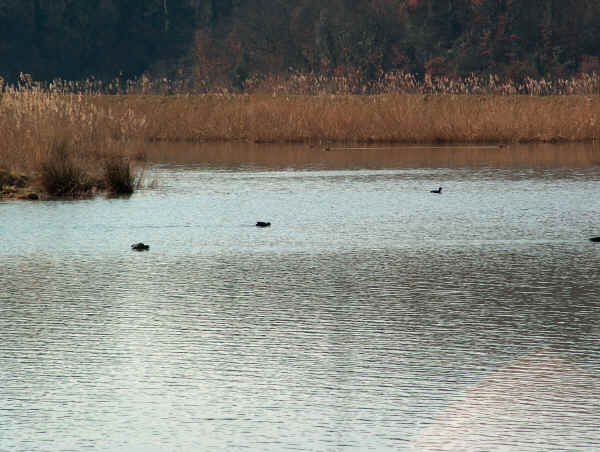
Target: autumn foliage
(226, 44)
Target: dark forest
(224, 42)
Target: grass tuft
(120, 178)
(60, 175)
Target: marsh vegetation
(72, 141)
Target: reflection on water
(372, 315)
(277, 156)
(528, 404)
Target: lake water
(371, 315)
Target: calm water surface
(371, 315)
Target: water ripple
(369, 316)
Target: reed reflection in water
(372, 315)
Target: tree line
(226, 42)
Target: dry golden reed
(393, 117)
(35, 121)
(396, 107)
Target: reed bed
(98, 129)
(349, 82)
(393, 117)
(63, 141)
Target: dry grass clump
(119, 176)
(66, 173)
(61, 175)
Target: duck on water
(439, 190)
(140, 247)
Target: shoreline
(96, 128)
(282, 155)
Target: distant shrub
(119, 177)
(60, 176)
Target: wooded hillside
(223, 42)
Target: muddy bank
(16, 186)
